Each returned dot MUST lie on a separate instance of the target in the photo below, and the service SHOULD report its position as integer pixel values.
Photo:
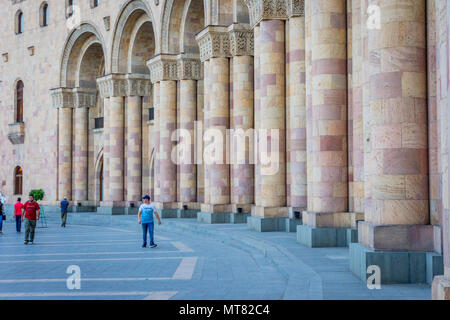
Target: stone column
(137, 88)
(296, 116)
(397, 212)
(113, 89)
(84, 99)
(215, 48)
(163, 70)
(189, 71)
(63, 100)
(325, 222)
(441, 284)
(242, 138)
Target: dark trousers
(147, 227)
(63, 219)
(30, 226)
(18, 223)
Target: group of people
(30, 213)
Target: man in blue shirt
(145, 216)
(64, 205)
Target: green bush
(38, 194)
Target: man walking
(64, 205)
(18, 206)
(145, 216)
(31, 212)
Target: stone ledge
(324, 237)
(221, 217)
(396, 237)
(259, 224)
(330, 219)
(395, 267)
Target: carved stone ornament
(62, 98)
(214, 42)
(241, 40)
(273, 9)
(112, 85)
(84, 98)
(138, 85)
(189, 67)
(163, 67)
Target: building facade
(95, 96)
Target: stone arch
(131, 12)
(70, 59)
(193, 21)
(240, 12)
(142, 46)
(151, 167)
(91, 63)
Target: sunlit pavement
(191, 261)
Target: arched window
(69, 8)
(19, 101)
(18, 182)
(94, 3)
(44, 15)
(19, 22)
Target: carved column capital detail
(112, 85)
(273, 10)
(62, 98)
(214, 42)
(189, 68)
(163, 67)
(138, 85)
(84, 98)
(241, 40)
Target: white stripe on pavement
(156, 295)
(186, 269)
(88, 260)
(181, 246)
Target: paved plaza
(192, 261)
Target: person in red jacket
(18, 213)
(31, 212)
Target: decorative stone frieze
(163, 67)
(189, 67)
(84, 98)
(214, 42)
(138, 85)
(241, 40)
(112, 85)
(16, 133)
(273, 9)
(62, 98)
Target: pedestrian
(64, 205)
(2, 216)
(18, 206)
(145, 216)
(31, 211)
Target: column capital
(62, 97)
(189, 67)
(241, 40)
(214, 42)
(138, 85)
(112, 85)
(163, 67)
(274, 9)
(84, 97)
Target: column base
(396, 267)
(259, 224)
(111, 211)
(241, 208)
(313, 237)
(222, 217)
(167, 210)
(418, 238)
(82, 206)
(188, 210)
(440, 290)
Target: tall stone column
(106, 192)
(84, 99)
(325, 221)
(441, 284)
(296, 115)
(215, 48)
(113, 88)
(189, 72)
(137, 88)
(242, 138)
(163, 70)
(63, 101)
(397, 213)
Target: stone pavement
(192, 261)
